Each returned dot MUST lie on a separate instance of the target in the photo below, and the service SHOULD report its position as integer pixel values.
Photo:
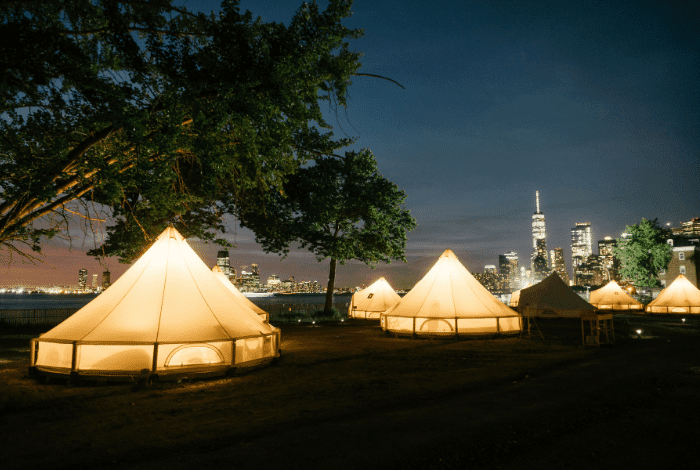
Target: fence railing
(54, 316)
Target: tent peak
(170, 232)
(448, 254)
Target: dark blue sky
(594, 104)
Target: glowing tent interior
(167, 315)
(239, 295)
(613, 297)
(450, 301)
(551, 297)
(372, 301)
(680, 297)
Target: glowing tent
(239, 295)
(680, 297)
(613, 297)
(514, 299)
(372, 301)
(551, 297)
(166, 316)
(449, 301)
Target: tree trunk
(331, 285)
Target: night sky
(594, 104)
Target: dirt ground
(345, 396)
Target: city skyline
(594, 105)
(359, 274)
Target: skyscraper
(609, 263)
(580, 243)
(106, 279)
(224, 263)
(539, 242)
(558, 264)
(508, 267)
(82, 279)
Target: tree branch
(378, 76)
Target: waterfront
(40, 308)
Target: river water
(53, 301)
(54, 308)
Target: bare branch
(378, 76)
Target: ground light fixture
(639, 332)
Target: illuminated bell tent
(167, 316)
(449, 301)
(242, 298)
(614, 297)
(371, 302)
(680, 297)
(551, 297)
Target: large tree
(154, 114)
(643, 252)
(337, 208)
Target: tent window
(193, 355)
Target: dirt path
(345, 396)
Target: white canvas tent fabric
(239, 295)
(613, 297)
(680, 297)
(166, 315)
(551, 297)
(514, 299)
(371, 302)
(450, 301)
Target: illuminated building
(508, 268)
(489, 279)
(82, 279)
(249, 280)
(106, 279)
(273, 281)
(558, 264)
(580, 243)
(94, 281)
(609, 263)
(691, 228)
(224, 263)
(590, 272)
(538, 259)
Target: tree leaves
(337, 208)
(159, 114)
(643, 253)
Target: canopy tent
(167, 315)
(551, 297)
(614, 297)
(450, 301)
(221, 277)
(372, 301)
(680, 297)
